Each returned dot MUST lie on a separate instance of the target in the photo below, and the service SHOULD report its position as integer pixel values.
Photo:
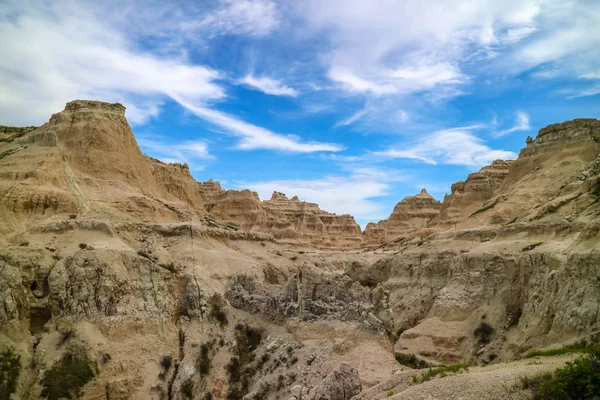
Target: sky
(352, 104)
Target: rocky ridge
(172, 288)
(410, 216)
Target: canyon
(172, 288)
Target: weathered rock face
(182, 282)
(410, 215)
(468, 196)
(85, 160)
(341, 384)
(283, 218)
(309, 294)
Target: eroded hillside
(154, 286)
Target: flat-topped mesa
(410, 215)
(552, 169)
(570, 140)
(97, 106)
(560, 134)
(468, 196)
(87, 159)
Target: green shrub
(166, 362)
(579, 379)
(217, 312)
(83, 246)
(187, 388)
(68, 376)
(390, 393)
(10, 367)
(580, 346)
(483, 333)
(239, 368)
(204, 359)
(410, 360)
(442, 371)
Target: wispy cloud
(269, 86)
(353, 118)
(456, 146)
(354, 193)
(101, 63)
(192, 152)
(245, 17)
(55, 65)
(522, 124)
(255, 137)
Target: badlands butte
(122, 277)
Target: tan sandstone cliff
(285, 219)
(171, 289)
(410, 215)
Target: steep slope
(410, 215)
(169, 288)
(283, 218)
(468, 196)
(85, 160)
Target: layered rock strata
(410, 215)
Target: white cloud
(255, 137)
(402, 47)
(457, 146)
(192, 152)
(239, 17)
(68, 54)
(522, 124)
(353, 118)
(353, 83)
(269, 86)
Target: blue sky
(350, 104)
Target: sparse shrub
(204, 359)
(579, 379)
(187, 388)
(68, 376)
(410, 360)
(442, 371)
(217, 312)
(166, 362)
(208, 396)
(581, 346)
(239, 370)
(10, 368)
(106, 358)
(483, 333)
(24, 244)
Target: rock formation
(410, 215)
(127, 273)
(468, 196)
(281, 217)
